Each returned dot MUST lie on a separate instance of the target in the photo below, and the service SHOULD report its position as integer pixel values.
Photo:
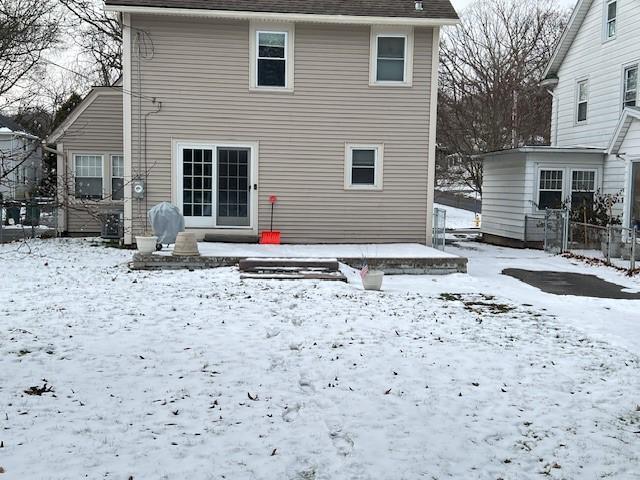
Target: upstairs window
(391, 59)
(272, 59)
(550, 189)
(612, 14)
(88, 176)
(117, 177)
(582, 101)
(391, 56)
(630, 98)
(271, 52)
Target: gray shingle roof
(373, 8)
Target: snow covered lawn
(199, 375)
(458, 218)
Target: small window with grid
(550, 189)
(88, 176)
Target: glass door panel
(233, 187)
(197, 185)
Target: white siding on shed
(503, 193)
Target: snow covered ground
(200, 375)
(457, 217)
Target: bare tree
(100, 37)
(490, 97)
(28, 28)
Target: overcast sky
(460, 4)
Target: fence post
(565, 236)
(632, 262)
(608, 255)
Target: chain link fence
(614, 245)
(556, 233)
(20, 220)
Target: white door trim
(176, 182)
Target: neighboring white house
(595, 133)
(20, 160)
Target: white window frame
(579, 82)
(625, 69)
(606, 21)
(562, 185)
(379, 166)
(87, 154)
(397, 32)
(210, 223)
(288, 29)
(111, 156)
(570, 180)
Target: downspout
(554, 108)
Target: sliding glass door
(214, 186)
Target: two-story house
(328, 106)
(20, 160)
(595, 132)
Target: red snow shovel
(271, 237)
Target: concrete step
(216, 238)
(298, 275)
(284, 264)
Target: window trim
(562, 190)
(288, 29)
(580, 81)
(379, 166)
(177, 190)
(606, 21)
(626, 68)
(408, 35)
(111, 155)
(570, 179)
(73, 186)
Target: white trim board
(286, 17)
(176, 173)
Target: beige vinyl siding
(503, 195)
(603, 64)
(97, 131)
(199, 70)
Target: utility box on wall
(138, 188)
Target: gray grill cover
(166, 221)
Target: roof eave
(568, 36)
(286, 17)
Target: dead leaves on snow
(39, 391)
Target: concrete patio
(405, 258)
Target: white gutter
(285, 17)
